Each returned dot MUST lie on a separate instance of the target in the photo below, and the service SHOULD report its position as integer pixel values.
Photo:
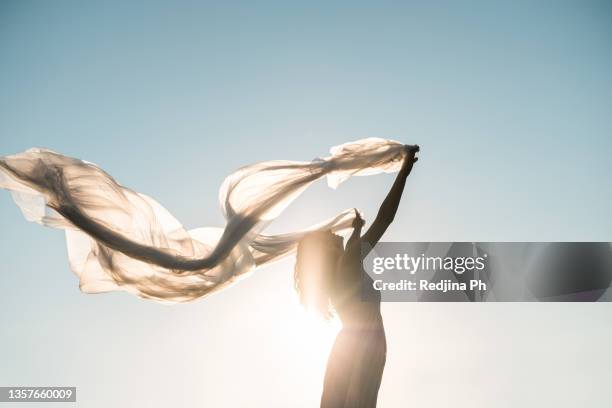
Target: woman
(330, 278)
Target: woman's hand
(358, 221)
(410, 158)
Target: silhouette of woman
(330, 278)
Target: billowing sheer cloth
(119, 239)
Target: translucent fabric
(119, 239)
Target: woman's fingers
(357, 214)
(412, 148)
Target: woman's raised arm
(387, 210)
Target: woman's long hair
(315, 271)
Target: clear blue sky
(510, 102)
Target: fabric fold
(119, 239)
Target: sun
(310, 334)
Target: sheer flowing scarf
(119, 239)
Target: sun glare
(312, 335)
